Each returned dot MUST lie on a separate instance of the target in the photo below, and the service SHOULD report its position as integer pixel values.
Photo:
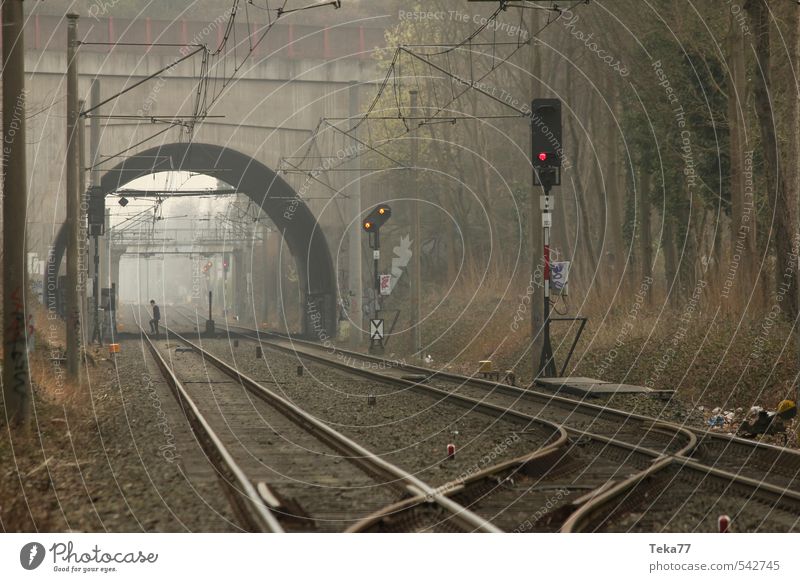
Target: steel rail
(452, 488)
(650, 424)
(241, 493)
(553, 453)
(433, 374)
(597, 502)
(777, 459)
(597, 510)
(466, 519)
(470, 403)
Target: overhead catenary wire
(144, 80)
(366, 145)
(204, 98)
(126, 150)
(219, 86)
(472, 84)
(474, 33)
(408, 50)
(395, 64)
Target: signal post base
(376, 347)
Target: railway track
(680, 495)
(512, 494)
(757, 461)
(270, 455)
(580, 419)
(538, 492)
(753, 482)
(640, 492)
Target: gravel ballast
(405, 427)
(116, 457)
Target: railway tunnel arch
(289, 213)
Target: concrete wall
(267, 114)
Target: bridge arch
(264, 187)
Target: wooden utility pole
(416, 237)
(73, 309)
(16, 373)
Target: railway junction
(271, 283)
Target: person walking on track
(156, 317)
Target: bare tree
(743, 215)
(782, 209)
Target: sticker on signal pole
(376, 329)
(559, 276)
(386, 284)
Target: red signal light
(542, 156)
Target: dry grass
(711, 361)
(26, 482)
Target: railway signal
(546, 144)
(96, 219)
(546, 152)
(96, 214)
(372, 225)
(376, 219)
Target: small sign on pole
(386, 284)
(559, 277)
(376, 329)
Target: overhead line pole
(546, 152)
(73, 331)
(535, 231)
(16, 371)
(94, 181)
(83, 250)
(547, 366)
(354, 268)
(416, 272)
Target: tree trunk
(591, 256)
(644, 190)
(613, 185)
(782, 211)
(672, 284)
(738, 277)
(794, 153)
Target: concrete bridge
(299, 75)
